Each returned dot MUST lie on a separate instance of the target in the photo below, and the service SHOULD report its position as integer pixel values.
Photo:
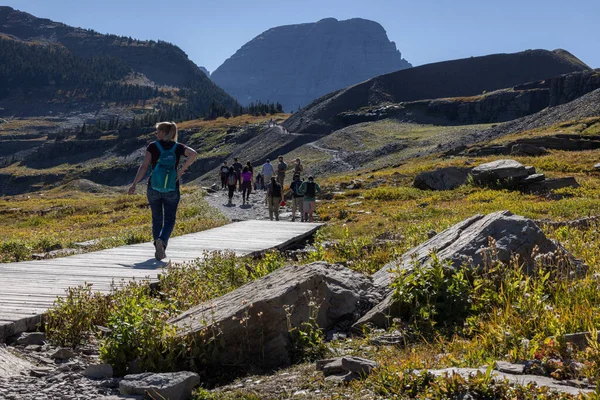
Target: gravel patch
(256, 208)
(37, 376)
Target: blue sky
(425, 31)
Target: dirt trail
(256, 208)
(337, 154)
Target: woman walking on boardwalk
(163, 192)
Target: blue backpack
(164, 174)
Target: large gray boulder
(442, 179)
(499, 170)
(465, 243)
(252, 320)
(168, 386)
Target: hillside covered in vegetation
(59, 68)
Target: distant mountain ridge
(162, 63)
(295, 64)
(463, 77)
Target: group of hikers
(272, 180)
(162, 157)
(238, 175)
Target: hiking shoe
(159, 254)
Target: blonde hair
(169, 129)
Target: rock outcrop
(537, 146)
(464, 77)
(296, 64)
(465, 243)
(512, 174)
(497, 106)
(345, 369)
(442, 179)
(586, 106)
(509, 174)
(171, 385)
(499, 170)
(252, 321)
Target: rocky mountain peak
(295, 64)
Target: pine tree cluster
(29, 66)
(260, 108)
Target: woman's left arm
(191, 157)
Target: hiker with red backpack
(163, 193)
(274, 195)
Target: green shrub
(216, 274)
(394, 193)
(408, 384)
(433, 295)
(14, 250)
(307, 340)
(139, 330)
(74, 318)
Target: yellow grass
(45, 221)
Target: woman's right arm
(141, 172)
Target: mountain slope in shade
(463, 77)
(296, 64)
(162, 63)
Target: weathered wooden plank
(53, 281)
(81, 274)
(80, 271)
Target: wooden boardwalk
(28, 289)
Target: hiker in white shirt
(267, 171)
